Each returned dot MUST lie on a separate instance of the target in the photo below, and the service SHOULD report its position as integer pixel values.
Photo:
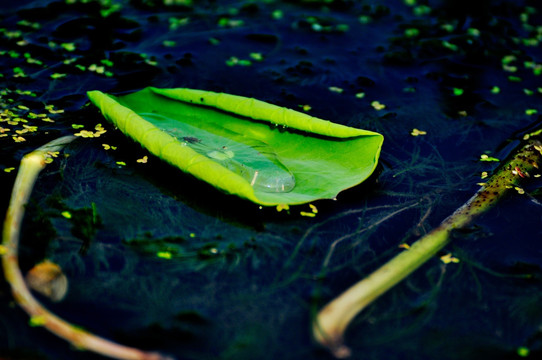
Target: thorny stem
(332, 321)
(30, 167)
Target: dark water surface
(245, 281)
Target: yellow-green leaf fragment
(377, 105)
(68, 46)
(458, 91)
(267, 154)
(336, 89)
(411, 32)
(164, 255)
(448, 258)
(360, 95)
(485, 157)
(495, 90)
(523, 351)
(417, 132)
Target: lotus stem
(332, 321)
(30, 167)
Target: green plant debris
(377, 105)
(109, 147)
(448, 45)
(214, 41)
(56, 76)
(18, 72)
(68, 46)
(449, 259)
(421, 10)
(458, 92)
(30, 24)
(485, 157)
(412, 32)
(98, 131)
(18, 121)
(417, 132)
(277, 14)
(364, 19)
(360, 95)
(164, 255)
(523, 351)
(85, 222)
(230, 23)
(256, 56)
(143, 160)
(169, 43)
(175, 23)
(473, 32)
(106, 62)
(235, 61)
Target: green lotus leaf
(261, 152)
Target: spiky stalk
(331, 322)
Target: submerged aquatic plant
(331, 322)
